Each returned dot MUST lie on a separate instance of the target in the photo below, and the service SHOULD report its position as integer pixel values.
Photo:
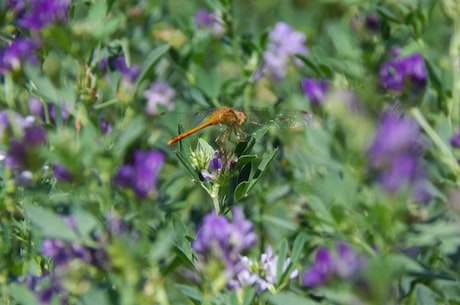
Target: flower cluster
(218, 165)
(395, 152)
(46, 287)
(16, 53)
(38, 109)
(209, 20)
(263, 273)
(284, 44)
(159, 93)
(224, 241)
(24, 139)
(37, 14)
(401, 72)
(67, 257)
(344, 264)
(118, 63)
(315, 90)
(142, 175)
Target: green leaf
(278, 222)
(261, 169)
(21, 294)
(240, 190)
(49, 223)
(282, 254)
(152, 58)
(312, 65)
(130, 134)
(85, 223)
(208, 81)
(283, 298)
(182, 243)
(425, 296)
(42, 84)
(95, 296)
(188, 167)
(297, 250)
(249, 295)
(192, 292)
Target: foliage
(342, 186)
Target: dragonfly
(234, 119)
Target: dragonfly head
(241, 117)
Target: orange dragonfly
(235, 119)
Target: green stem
(445, 153)
(454, 50)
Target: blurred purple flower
(22, 151)
(372, 21)
(455, 139)
(61, 173)
(36, 108)
(220, 239)
(315, 90)
(118, 63)
(105, 126)
(395, 152)
(284, 44)
(209, 20)
(343, 264)
(41, 13)
(17, 6)
(142, 175)
(159, 93)
(263, 273)
(63, 252)
(116, 225)
(16, 53)
(45, 293)
(323, 268)
(399, 72)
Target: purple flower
(395, 152)
(17, 6)
(372, 22)
(263, 273)
(348, 261)
(22, 151)
(284, 44)
(220, 239)
(315, 90)
(44, 12)
(455, 139)
(159, 93)
(209, 20)
(141, 176)
(45, 287)
(63, 252)
(105, 126)
(37, 108)
(61, 173)
(343, 264)
(399, 72)
(218, 166)
(118, 63)
(16, 53)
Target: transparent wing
(279, 119)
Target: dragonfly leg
(220, 140)
(239, 131)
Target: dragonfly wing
(279, 119)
